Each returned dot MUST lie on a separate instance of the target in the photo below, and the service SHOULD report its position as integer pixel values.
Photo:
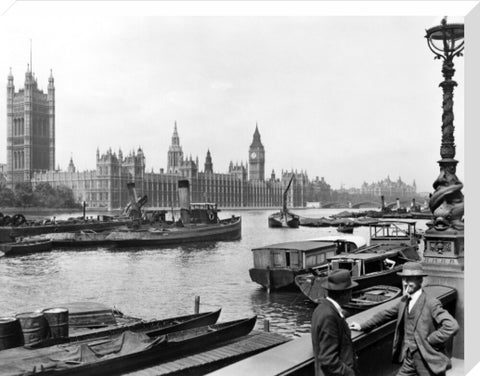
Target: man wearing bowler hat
(422, 328)
(331, 336)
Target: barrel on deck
(57, 319)
(10, 333)
(34, 327)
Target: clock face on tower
(253, 155)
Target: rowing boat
(121, 353)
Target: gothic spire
(257, 142)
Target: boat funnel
(398, 203)
(383, 203)
(184, 200)
(132, 192)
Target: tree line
(43, 196)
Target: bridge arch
(366, 204)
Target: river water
(163, 282)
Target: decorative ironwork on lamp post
(447, 202)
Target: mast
(286, 193)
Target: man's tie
(408, 299)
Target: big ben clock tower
(256, 158)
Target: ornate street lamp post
(444, 238)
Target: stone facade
(30, 129)
(106, 186)
(387, 188)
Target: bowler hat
(339, 279)
(412, 269)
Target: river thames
(163, 282)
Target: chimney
(132, 192)
(383, 202)
(398, 203)
(184, 200)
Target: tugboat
(284, 215)
(198, 222)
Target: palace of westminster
(31, 158)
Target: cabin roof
(364, 256)
(355, 239)
(305, 245)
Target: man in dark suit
(331, 336)
(422, 328)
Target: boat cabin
(360, 264)
(398, 232)
(299, 255)
(203, 212)
(155, 215)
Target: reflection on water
(163, 282)
(288, 312)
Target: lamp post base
(443, 261)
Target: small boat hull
(345, 229)
(134, 356)
(310, 285)
(274, 221)
(8, 233)
(293, 220)
(225, 230)
(278, 220)
(151, 328)
(26, 247)
(273, 279)
(371, 297)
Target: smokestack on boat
(383, 202)
(132, 192)
(184, 199)
(398, 203)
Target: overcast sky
(350, 99)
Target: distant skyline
(350, 99)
